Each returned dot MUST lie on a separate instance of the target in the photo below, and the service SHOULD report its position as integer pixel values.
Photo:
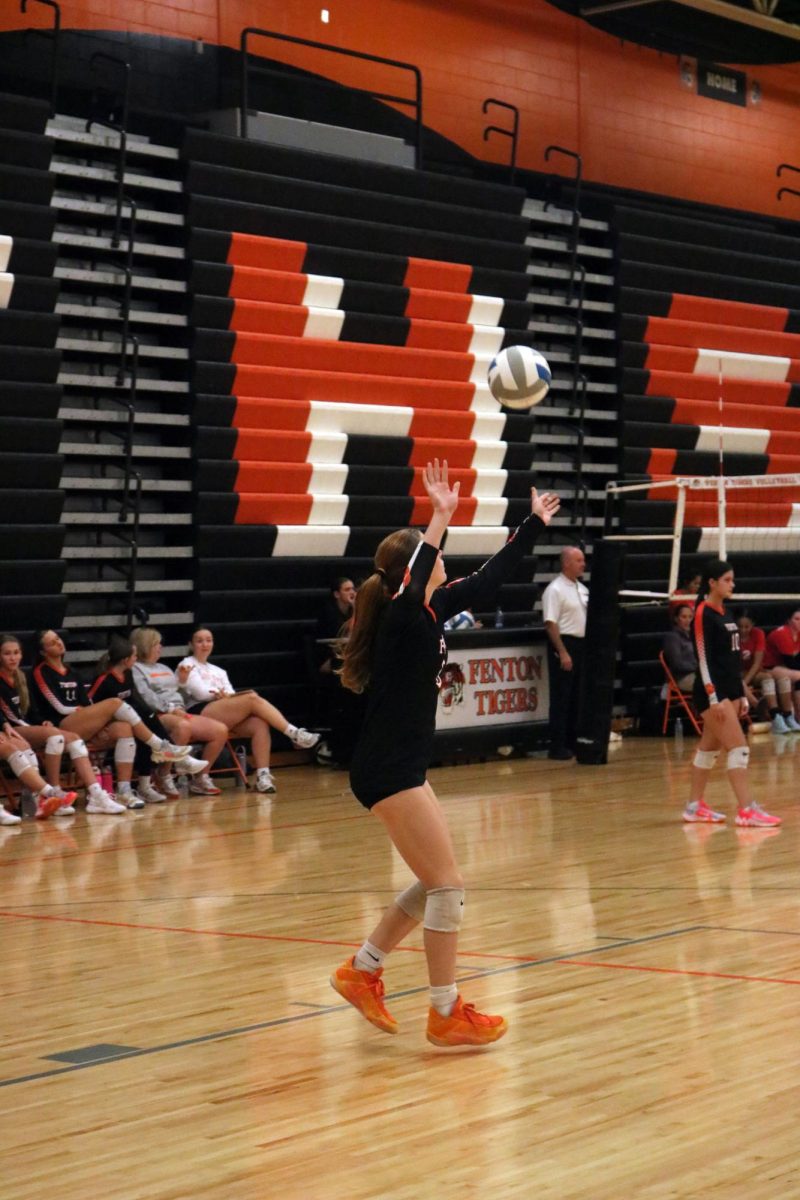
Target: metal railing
(120, 127)
(576, 214)
(512, 133)
(125, 303)
(244, 95)
(55, 33)
(130, 406)
(786, 191)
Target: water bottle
(498, 618)
(679, 731)
(241, 758)
(182, 784)
(107, 781)
(27, 803)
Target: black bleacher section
(31, 499)
(695, 292)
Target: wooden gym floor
(168, 1030)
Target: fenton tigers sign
(494, 686)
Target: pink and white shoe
(700, 813)
(754, 817)
(201, 785)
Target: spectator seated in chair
(752, 645)
(115, 680)
(679, 650)
(209, 692)
(337, 611)
(686, 593)
(782, 660)
(159, 688)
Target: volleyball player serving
(396, 653)
(719, 697)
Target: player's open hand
(545, 506)
(443, 498)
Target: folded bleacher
(710, 355)
(31, 499)
(344, 315)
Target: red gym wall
(622, 106)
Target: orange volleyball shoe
(464, 1027)
(365, 991)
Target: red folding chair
(675, 698)
(236, 765)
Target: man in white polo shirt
(564, 611)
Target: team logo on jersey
(451, 693)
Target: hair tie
(380, 571)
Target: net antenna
(721, 505)
(721, 484)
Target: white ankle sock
(155, 742)
(124, 787)
(94, 789)
(291, 733)
(443, 999)
(369, 958)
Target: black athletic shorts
(369, 796)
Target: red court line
(225, 933)
(674, 971)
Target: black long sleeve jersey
(396, 739)
(716, 641)
(58, 692)
(10, 705)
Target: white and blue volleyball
(519, 377)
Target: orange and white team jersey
(716, 640)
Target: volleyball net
(736, 513)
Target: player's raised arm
(443, 498)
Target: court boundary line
(295, 1018)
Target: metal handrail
(512, 133)
(583, 489)
(125, 303)
(576, 215)
(577, 317)
(55, 31)
(584, 386)
(133, 563)
(130, 406)
(120, 127)
(416, 103)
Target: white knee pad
(738, 758)
(412, 901)
(55, 744)
(126, 712)
(768, 686)
(77, 749)
(444, 909)
(124, 750)
(705, 759)
(19, 761)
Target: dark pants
(564, 691)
